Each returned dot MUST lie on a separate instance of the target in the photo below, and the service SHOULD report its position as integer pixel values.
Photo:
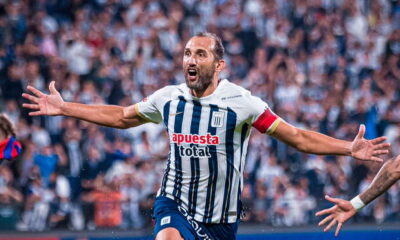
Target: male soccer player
(208, 121)
(343, 210)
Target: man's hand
(43, 103)
(368, 150)
(340, 213)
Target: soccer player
(9, 146)
(343, 210)
(208, 120)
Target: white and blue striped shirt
(208, 145)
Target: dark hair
(219, 49)
(6, 126)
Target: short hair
(219, 49)
(6, 126)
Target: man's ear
(220, 65)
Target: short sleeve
(148, 108)
(262, 117)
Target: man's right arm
(106, 115)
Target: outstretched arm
(344, 210)
(317, 143)
(106, 115)
(388, 175)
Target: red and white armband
(267, 122)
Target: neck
(208, 91)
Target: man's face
(199, 63)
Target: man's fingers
(31, 106)
(361, 131)
(339, 226)
(380, 152)
(331, 199)
(325, 220)
(385, 146)
(323, 212)
(35, 91)
(376, 159)
(330, 225)
(52, 87)
(379, 140)
(30, 97)
(37, 113)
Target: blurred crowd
(324, 65)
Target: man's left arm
(317, 143)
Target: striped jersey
(208, 144)
(9, 148)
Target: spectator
(46, 161)
(107, 203)
(9, 198)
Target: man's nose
(192, 61)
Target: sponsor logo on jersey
(208, 139)
(194, 151)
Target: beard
(204, 79)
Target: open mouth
(192, 74)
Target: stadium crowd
(327, 65)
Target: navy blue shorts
(167, 213)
